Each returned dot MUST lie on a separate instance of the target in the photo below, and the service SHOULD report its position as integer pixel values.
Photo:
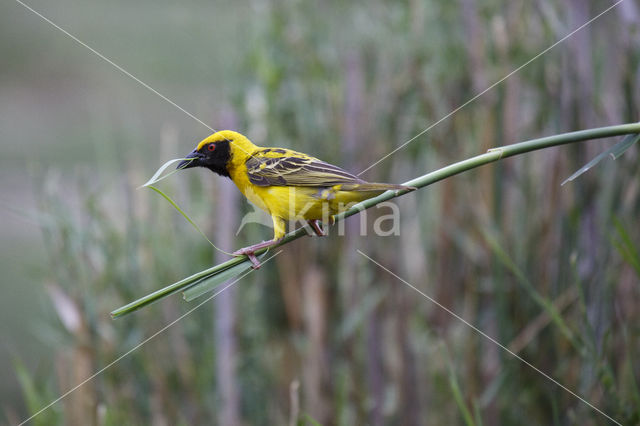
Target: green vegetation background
(320, 334)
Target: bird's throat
(219, 169)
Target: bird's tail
(372, 186)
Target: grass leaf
(175, 287)
(459, 398)
(209, 284)
(156, 176)
(615, 152)
(173, 203)
(625, 246)
(626, 143)
(508, 262)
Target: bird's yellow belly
(255, 198)
(304, 203)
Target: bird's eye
(211, 147)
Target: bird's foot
(255, 263)
(316, 225)
(250, 251)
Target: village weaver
(288, 185)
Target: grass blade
(615, 152)
(210, 284)
(459, 398)
(156, 176)
(626, 143)
(176, 287)
(506, 260)
(173, 203)
(625, 246)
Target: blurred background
(320, 335)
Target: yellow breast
(297, 202)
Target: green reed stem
(490, 156)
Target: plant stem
(491, 156)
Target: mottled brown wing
(298, 171)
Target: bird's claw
(250, 251)
(316, 226)
(250, 255)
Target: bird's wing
(290, 168)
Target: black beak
(191, 160)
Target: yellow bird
(288, 185)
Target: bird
(287, 184)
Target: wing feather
(298, 170)
(279, 167)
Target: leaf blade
(615, 152)
(215, 281)
(157, 175)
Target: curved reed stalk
(492, 155)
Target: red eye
(211, 147)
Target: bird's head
(215, 152)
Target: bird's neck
(242, 149)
